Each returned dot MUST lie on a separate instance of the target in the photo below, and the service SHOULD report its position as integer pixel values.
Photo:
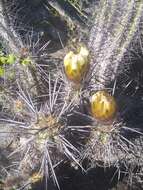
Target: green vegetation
(10, 59)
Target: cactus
(75, 110)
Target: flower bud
(103, 106)
(76, 65)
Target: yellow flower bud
(103, 106)
(76, 65)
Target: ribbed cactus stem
(114, 30)
(7, 35)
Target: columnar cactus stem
(10, 38)
(114, 30)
